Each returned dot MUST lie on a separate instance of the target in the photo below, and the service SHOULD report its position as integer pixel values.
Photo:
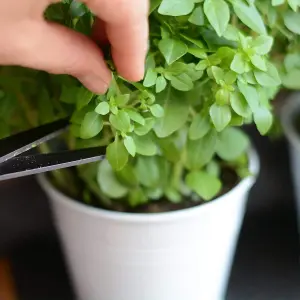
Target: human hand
(27, 40)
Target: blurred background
(266, 264)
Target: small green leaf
(218, 14)
(122, 100)
(239, 104)
(150, 62)
(268, 78)
(169, 150)
(135, 116)
(201, 151)
(161, 84)
(202, 65)
(147, 171)
(213, 168)
(204, 184)
(263, 44)
(176, 7)
(150, 78)
(176, 110)
(292, 21)
(220, 116)
(157, 110)
(277, 2)
(84, 97)
(218, 74)
(117, 154)
(259, 62)
(232, 143)
(250, 94)
(69, 94)
(199, 127)
(102, 108)
(197, 16)
(130, 145)
(293, 4)
(238, 64)
(127, 176)
(263, 120)
(137, 197)
(291, 79)
(121, 121)
(250, 16)
(108, 182)
(182, 82)
(172, 49)
(222, 97)
(144, 129)
(92, 125)
(145, 145)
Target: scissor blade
(33, 164)
(16, 144)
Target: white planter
(290, 110)
(182, 255)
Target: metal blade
(34, 164)
(15, 145)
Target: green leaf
(249, 15)
(197, 16)
(250, 94)
(218, 15)
(157, 110)
(172, 49)
(117, 154)
(293, 4)
(238, 64)
(204, 184)
(127, 176)
(130, 145)
(150, 61)
(102, 108)
(263, 44)
(269, 78)
(4, 130)
(69, 94)
(232, 143)
(137, 197)
(292, 21)
(108, 182)
(201, 151)
(161, 84)
(199, 127)
(263, 120)
(135, 116)
(121, 121)
(292, 61)
(193, 73)
(154, 4)
(182, 82)
(150, 78)
(277, 2)
(122, 100)
(145, 145)
(259, 62)
(220, 116)
(84, 97)
(147, 171)
(45, 107)
(92, 125)
(169, 149)
(218, 74)
(239, 104)
(176, 7)
(176, 110)
(213, 168)
(291, 79)
(144, 129)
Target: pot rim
(289, 110)
(244, 184)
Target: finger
(99, 34)
(127, 31)
(59, 50)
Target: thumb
(59, 50)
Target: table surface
(266, 264)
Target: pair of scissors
(14, 163)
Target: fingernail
(94, 83)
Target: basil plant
(175, 137)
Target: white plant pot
(289, 112)
(181, 255)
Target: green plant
(213, 66)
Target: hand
(27, 40)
